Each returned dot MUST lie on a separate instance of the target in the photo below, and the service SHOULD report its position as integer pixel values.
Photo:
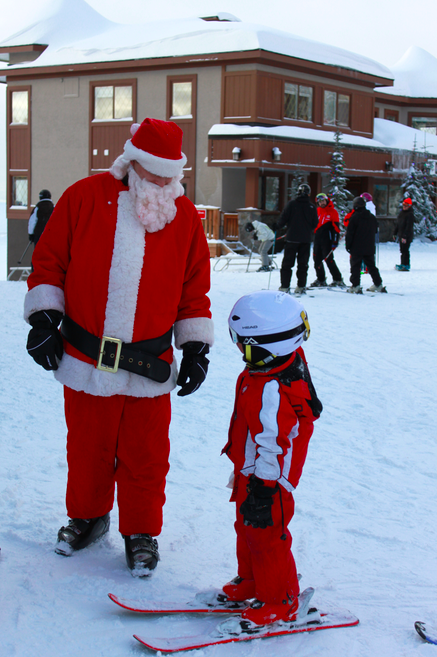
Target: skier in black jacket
(405, 231)
(300, 217)
(360, 243)
(40, 216)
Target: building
(255, 106)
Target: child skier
(272, 423)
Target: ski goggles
(274, 337)
(322, 197)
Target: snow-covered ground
(364, 531)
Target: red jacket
(328, 214)
(98, 263)
(272, 422)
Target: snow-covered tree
(336, 187)
(419, 188)
(299, 177)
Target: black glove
(257, 508)
(255, 237)
(194, 366)
(31, 238)
(44, 343)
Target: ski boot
(318, 283)
(376, 288)
(284, 289)
(264, 613)
(299, 290)
(239, 589)
(80, 533)
(142, 554)
(355, 289)
(339, 283)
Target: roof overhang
(212, 59)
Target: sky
(382, 31)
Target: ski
(204, 632)
(427, 634)
(213, 601)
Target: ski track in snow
(364, 531)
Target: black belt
(112, 354)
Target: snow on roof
(77, 34)
(387, 135)
(61, 22)
(415, 75)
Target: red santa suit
(116, 276)
(269, 433)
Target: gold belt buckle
(109, 368)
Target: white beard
(155, 206)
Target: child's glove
(44, 343)
(194, 366)
(257, 508)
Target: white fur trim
(195, 329)
(85, 377)
(156, 165)
(43, 297)
(125, 272)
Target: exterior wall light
(389, 166)
(236, 153)
(276, 154)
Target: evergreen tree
(336, 187)
(298, 179)
(419, 188)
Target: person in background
(369, 202)
(265, 235)
(300, 218)
(404, 230)
(360, 243)
(40, 216)
(326, 236)
(276, 406)
(123, 263)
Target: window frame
(338, 92)
(262, 180)
(421, 115)
(171, 80)
(391, 115)
(23, 170)
(131, 82)
(298, 84)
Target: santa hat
(156, 146)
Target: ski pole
(273, 253)
(250, 257)
(24, 253)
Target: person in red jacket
(326, 236)
(272, 422)
(124, 263)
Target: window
(387, 200)
(269, 193)
(20, 107)
(335, 108)
(391, 115)
(19, 191)
(181, 99)
(426, 124)
(113, 103)
(298, 102)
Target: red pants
(261, 554)
(118, 439)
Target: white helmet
(268, 324)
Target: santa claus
(124, 264)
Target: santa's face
(150, 177)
